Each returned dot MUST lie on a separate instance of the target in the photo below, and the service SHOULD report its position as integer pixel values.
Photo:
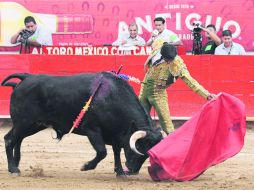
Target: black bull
(115, 116)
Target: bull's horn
(134, 137)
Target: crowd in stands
(225, 45)
(215, 44)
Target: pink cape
(209, 138)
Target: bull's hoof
(121, 176)
(87, 166)
(83, 168)
(120, 172)
(14, 172)
(131, 173)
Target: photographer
(197, 39)
(213, 39)
(32, 34)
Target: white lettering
(113, 50)
(208, 20)
(69, 51)
(49, 50)
(135, 51)
(99, 51)
(105, 50)
(147, 25)
(55, 51)
(127, 52)
(148, 50)
(185, 36)
(78, 51)
(142, 51)
(62, 51)
(122, 28)
(236, 25)
(218, 23)
(85, 51)
(178, 21)
(120, 52)
(189, 19)
(90, 51)
(35, 51)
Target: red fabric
(209, 138)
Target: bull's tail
(12, 84)
(20, 76)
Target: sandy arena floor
(49, 164)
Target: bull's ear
(133, 127)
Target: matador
(159, 76)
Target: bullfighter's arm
(193, 84)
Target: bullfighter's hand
(211, 97)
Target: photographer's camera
(196, 30)
(197, 39)
(25, 34)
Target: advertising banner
(81, 23)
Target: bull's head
(140, 142)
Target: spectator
(158, 38)
(228, 47)
(130, 39)
(162, 33)
(159, 77)
(213, 39)
(40, 36)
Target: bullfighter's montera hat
(168, 51)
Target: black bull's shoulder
(39, 101)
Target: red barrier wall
(231, 74)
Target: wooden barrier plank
(232, 74)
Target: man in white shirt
(164, 35)
(130, 39)
(228, 47)
(41, 36)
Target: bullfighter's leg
(118, 166)
(143, 98)
(160, 102)
(98, 144)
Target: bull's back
(51, 96)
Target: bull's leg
(98, 144)
(10, 141)
(17, 152)
(28, 132)
(13, 140)
(118, 166)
